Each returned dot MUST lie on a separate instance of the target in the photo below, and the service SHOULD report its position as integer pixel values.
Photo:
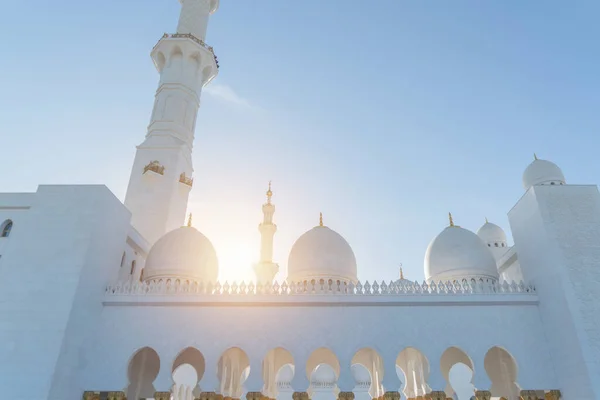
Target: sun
(236, 261)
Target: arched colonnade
(324, 373)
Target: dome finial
(535, 156)
(189, 220)
(401, 272)
(450, 218)
(320, 219)
(269, 194)
(486, 220)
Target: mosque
(105, 300)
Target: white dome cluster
(321, 254)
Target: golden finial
(269, 194)
(320, 219)
(189, 220)
(535, 156)
(450, 218)
(401, 273)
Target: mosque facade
(108, 300)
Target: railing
(194, 38)
(182, 287)
(155, 166)
(185, 180)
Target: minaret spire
(161, 177)
(266, 269)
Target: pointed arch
(278, 371)
(370, 359)
(502, 370)
(143, 369)
(193, 357)
(450, 358)
(233, 369)
(415, 367)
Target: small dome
(458, 253)
(542, 172)
(183, 253)
(491, 233)
(321, 253)
(324, 374)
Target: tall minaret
(266, 269)
(161, 177)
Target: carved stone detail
(553, 395)
(483, 395)
(162, 396)
(436, 395)
(254, 396)
(91, 395)
(300, 396)
(346, 396)
(207, 396)
(529, 395)
(391, 396)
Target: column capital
(391, 395)
(483, 395)
(207, 396)
(300, 396)
(162, 396)
(109, 395)
(529, 395)
(553, 395)
(436, 395)
(254, 396)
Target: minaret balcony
(185, 180)
(191, 48)
(155, 167)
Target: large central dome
(321, 253)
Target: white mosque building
(105, 300)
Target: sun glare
(236, 261)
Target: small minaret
(161, 177)
(266, 269)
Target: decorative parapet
(185, 180)
(193, 38)
(180, 287)
(156, 167)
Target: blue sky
(383, 115)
